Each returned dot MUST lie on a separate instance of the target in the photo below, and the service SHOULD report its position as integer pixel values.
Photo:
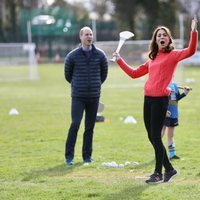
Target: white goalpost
(18, 61)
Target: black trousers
(154, 115)
(79, 105)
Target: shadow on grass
(132, 193)
(62, 170)
(59, 170)
(145, 164)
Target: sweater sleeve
(133, 73)
(191, 49)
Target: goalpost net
(136, 52)
(18, 62)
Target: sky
(50, 1)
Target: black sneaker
(155, 178)
(168, 176)
(174, 157)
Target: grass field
(32, 143)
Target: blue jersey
(174, 97)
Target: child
(171, 119)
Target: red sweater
(161, 69)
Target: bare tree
(191, 7)
(143, 16)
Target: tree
(188, 10)
(152, 13)
(2, 37)
(9, 27)
(125, 13)
(143, 16)
(169, 13)
(191, 7)
(8, 22)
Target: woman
(161, 66)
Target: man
(86, 68)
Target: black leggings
(154, 114)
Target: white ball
(135, 163)
(121, 166)
(127, 163)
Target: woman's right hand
(116, 55)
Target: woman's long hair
(153, 45)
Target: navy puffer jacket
(86, 74)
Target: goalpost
(18, 61)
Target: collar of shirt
(86, 49)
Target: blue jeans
(79, 105)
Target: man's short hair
(84, 28)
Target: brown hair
(153, 45)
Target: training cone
(130, 120)
(13, 111)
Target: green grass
(32, 143)
(14, 72)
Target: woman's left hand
(194, 24)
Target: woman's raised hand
(194, 24)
